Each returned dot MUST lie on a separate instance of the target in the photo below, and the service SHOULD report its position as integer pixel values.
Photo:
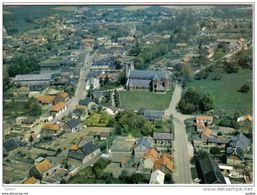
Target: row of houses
(235, 147)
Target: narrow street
(182, 173)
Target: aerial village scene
(127, 94)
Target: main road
(80, 92)
(182, 173)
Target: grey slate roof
(240, 141)
(144, 143)
(33, 77)
(85, 101)
(73, 123)
(218, 141)
(153, 114)
(83, 151)
(238, 145)
(210, 172)
(88, 148)
(11, 144)
(147, 74)
(162, 136)
(139, 83)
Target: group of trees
(193, 101)
(105, 81)
(242, 59)
(129, 122)
(33, 107)
(144, 55)
(116, 98)
(23, 64)
(230, 121)
(135, 178)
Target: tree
(147, 128)
(200, 154)
(117, 64)
(34, 108)
(187, 73)
(23, 64)
(107, 177)
(231, 67)
(122, 78)
(30, 139)
(137, 178)
(168, 179)
(206, 103)
(245, 88)
(244, 58)
(189, 102)
(90, 91)
(215, 151)
(106, 80)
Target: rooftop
(45, 99)
(54, 127)
(162, 136)
(59, 106)
(30, 180)
(43, 166)
(147, 74)
(151, 154)
(164, 161)
(210, 171)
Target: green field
(16, 15)
(225, 91)
(145, 99)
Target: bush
(231, 67)
(206, 103)
(217, 76)
(245, 88)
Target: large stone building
(156, 81)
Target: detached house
(149, 158)
(49, 128)
(61, 97)
(31, 180)
(58, 109)
(74, 125)
(43, 167)
(207, 120)
(156, 81)
(236, 149)
(142, 145)
(164, 164)
(209, 172)
(84, 153)
(162, 138)
(157, 177)
(45, 99)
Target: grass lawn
(225, 91)
(145, 99)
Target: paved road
(182, 173)
(80, 92)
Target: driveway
(182, 173)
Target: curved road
(182, 173)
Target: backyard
(225, 91)
(145, 100)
